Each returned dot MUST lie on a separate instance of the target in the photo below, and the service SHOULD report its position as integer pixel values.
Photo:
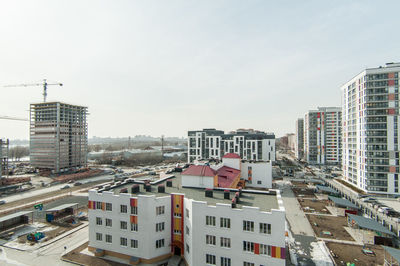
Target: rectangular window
(109, 238)
(225, 242)
(99, 206)
(160, 227)
(134, 243)
(265, 249)
(210, 240)
(134, 210)
(160, 243)
(248, 246)
(245, 263)
(248, 226)
(108, 207)
(134, 227)
(225, 261)
(210, 220)
(123, 241)
(124, 209)
(160, 210)
(124, 225)
(225, 222)
(265, 228)
(99, 237)
(108, 222)
(99, 221)
(210, 259)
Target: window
(245, 263)
(160, 227)
(225, 222)
(160, 210)
(160, 243)
(177, 232)
(265, 249)
(265, 228)
(187, 230)
(210, 220)
(124, 209)
(134, 243)
(225, 261)
(134, 227)
(99, 206)
(225, 242)
(248, 226)
(124, 225)
(109, 238)
(123, 241)
(210, 259)
(134, 210)
(99, 237)
(259, 182)
(108, 207)
(108, 222)
(187, 248)
(248, 246)
(99, 221)
(210, 240)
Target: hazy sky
(165, 67)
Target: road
(49, 255)
(40, 191)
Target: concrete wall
(261, 172)
(232, 162)
(197, 181)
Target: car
(65, 187)
(2, 202)
(77, 184)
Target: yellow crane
(44, 84)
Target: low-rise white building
(216, 226)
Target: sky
(166, 67)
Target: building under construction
(58, 136)
(4, 147)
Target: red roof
(231, 155)
(199, 170)
(227, 175)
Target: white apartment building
(370, 103)
(299, 146)
(203, 227)
(322, 135)
(249, 144)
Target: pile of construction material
(13, 180)
(78, 176)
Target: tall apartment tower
(299, 148)
(370, 103)
(247, 143)
(4, 147)
(58, 136)
(322, 135)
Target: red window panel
(256, 248)
(392, 97)
(391, 75)
(391, 82)
(391, 111)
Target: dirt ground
(335, 225)
(353, 253)
(76, 257)
(299, 184)
(308, 193)
(317, 205)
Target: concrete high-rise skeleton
(299, 148)
(58, 136)
(370, 103)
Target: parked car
(2, 202)
(77, 184)
(65, 187)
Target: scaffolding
(4, 148)
(58, 136)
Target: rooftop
(265, 200)
(231, 155)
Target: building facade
(58, 136)
(248, 144)
(4, 147)
(370, 103)
(299, 146)
(322, 135)
(150, 225)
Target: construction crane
(13, 118)
(44, 84)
